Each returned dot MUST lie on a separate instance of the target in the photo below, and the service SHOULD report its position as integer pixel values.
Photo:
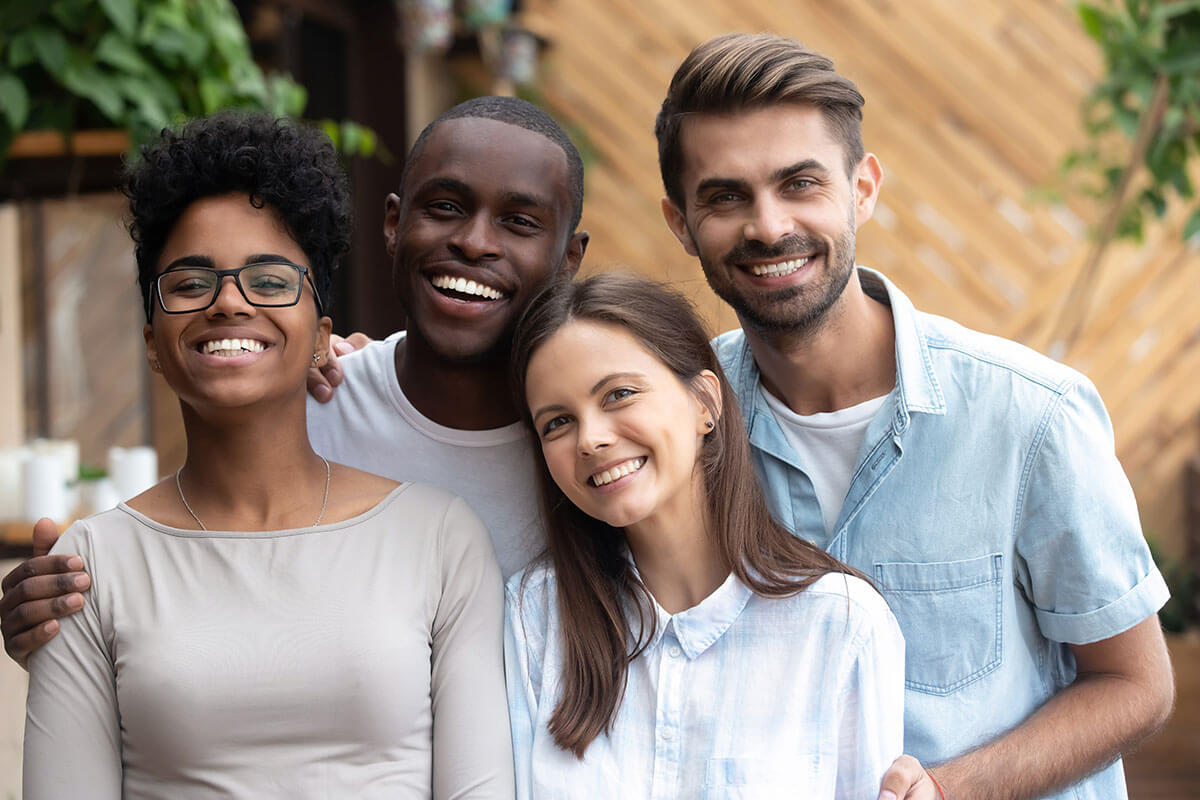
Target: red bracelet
(941, 791)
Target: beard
(794, 309)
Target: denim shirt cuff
(1144, 599)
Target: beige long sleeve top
(356, 659)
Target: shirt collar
(917, 388)
(700, 626)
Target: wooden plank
(12, 388)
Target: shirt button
(668, 734)
(674, 651)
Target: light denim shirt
(988, 505)
(738, 696)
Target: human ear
(677, 222)
(868, 177)
(576, 247)
(706, 386)
(321, 346)
(151, 349)
(391, 222)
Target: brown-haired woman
(676, 641)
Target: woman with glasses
(264, 623)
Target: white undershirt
(827, 445)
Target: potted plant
(135, 66)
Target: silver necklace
(324, 501)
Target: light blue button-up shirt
(989, 506)
(739, 696)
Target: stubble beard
(792, 311)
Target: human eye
(798, 184)
(553, 424)
(619, 394)
(270, 279)
(187, 283)
(523, 223)
(442, 208)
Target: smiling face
(484, 222)
(621, 434)
(232, 353)
(771, 212)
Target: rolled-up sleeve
(1084, 562)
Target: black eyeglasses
(268, 285)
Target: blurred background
(1039, 155)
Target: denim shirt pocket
(950, 613)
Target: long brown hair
(595, 580)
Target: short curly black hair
(288, 166)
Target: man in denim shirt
(973, 479)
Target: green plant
(1143, 125)
(139, 65)
(1150, 96)
(1182, 611)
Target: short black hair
(288, 166)
(523, 114)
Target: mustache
(793, 245)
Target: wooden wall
(970, 107)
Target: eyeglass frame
(237, 281)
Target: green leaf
(71, 14)
(123, 14)
(51, 48)
(84, 79)
(117, 51)
(20, 50)
(1191, 228)
(1154, 198)
(14, 100)
(1091, 20)
(213, 93)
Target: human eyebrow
(191, 261)
(552, 408)
(269, 258)
(616, 376)
(442, 184)
(527, 199)
(807, 165)
(725, 184)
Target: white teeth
(464, 286)
(782, 268)
(232, 347)
(619, 471)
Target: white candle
(45, 489)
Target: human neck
(849, 358)
(254, 472)
(679, 562)
(471, 396)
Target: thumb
(45, 534)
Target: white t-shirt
(369, 424)
(828, 445)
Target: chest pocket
(950, 614)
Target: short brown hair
(742, 72)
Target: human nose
(230, 299)
(476, 240)
(593, 435)
(770, 221)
